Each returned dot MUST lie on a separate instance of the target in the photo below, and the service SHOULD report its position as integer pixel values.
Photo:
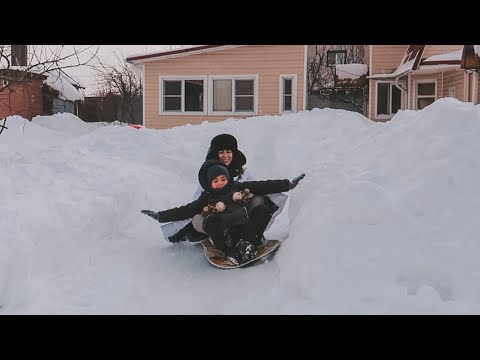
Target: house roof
(411, 61)
(66, 86)
(471, 57)
(160, 55)
(466, 58)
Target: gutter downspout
(399, 87)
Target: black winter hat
(216, 170)
(226, 142)
(210, 170)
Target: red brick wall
(23, 99)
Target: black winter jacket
(207, 197)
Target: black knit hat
(226, 142)
(210, 170)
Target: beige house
(216, 82)
(414, 76)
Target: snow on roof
(350, 71)
(155, 52)
(59, 81)
(402, 69)
(453, 55)
(477, 49)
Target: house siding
(266, 61)
(387, 58)
(454, 79)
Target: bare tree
(120, 79)
(41, 59)
(321, 75)
(19, 63)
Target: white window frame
(383, 116)
(423, 81)
(253, 77)
(281, 94)
(182, 78)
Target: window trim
(253, 77)
(182, 78)
(337, 51)
(281, 95)
(423, 81)
(383, 116)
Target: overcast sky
(84, 74)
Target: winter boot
(244, 251)
(215, 229)
(187, 233)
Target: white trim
(182, 78)
(293, 77)
(144, 120)
(370, 85)
(305, 62)
(424, 81)
(253, 77)
(409, 94)
(390, 115)
(370, 98)
(475, 88)
(177, 55)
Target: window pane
(244, 103)
(173, 87)
(424, 102)
(426, 89)
(340, 58)
(173, 103)
(287, 86)
(396, 99)
(193, 95)
(382, 99)
(287, 103)
(243, 87)
(222, 95)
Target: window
(288, 93)
(425, 94)
(389, 99)
(182, 95)
(233, 94)
(335, 57)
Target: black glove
(293, 184)
(152, 214)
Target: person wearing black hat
(216, 180)
(224, 148)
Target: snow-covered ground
(385, 222)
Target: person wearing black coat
(217, 182)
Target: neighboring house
(414, 76)
(30, 94)
(61, 94)
(23, 96)
(216, 82)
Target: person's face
(225, 156)
(219, 182)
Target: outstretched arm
(271, 186)
(178, 213)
